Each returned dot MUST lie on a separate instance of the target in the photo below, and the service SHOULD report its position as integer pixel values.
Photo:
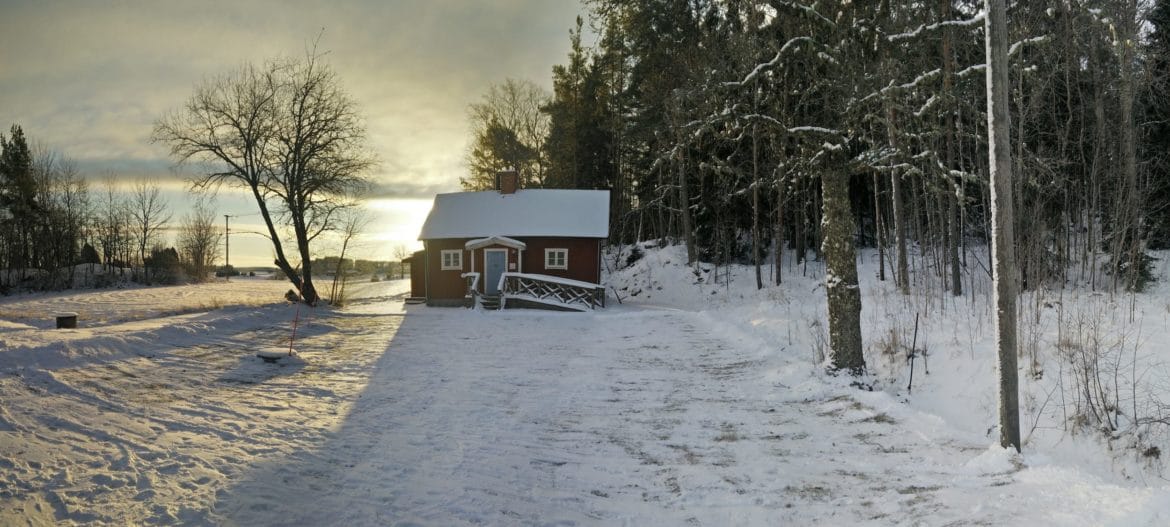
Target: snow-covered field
(694, 401)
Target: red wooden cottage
(513, 247)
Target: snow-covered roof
(528, 212)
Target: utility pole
(1003, 233)
(227, 249)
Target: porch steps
(489, 301)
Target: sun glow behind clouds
(390, 223)
(394, 222)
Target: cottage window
(452, 260)
(556, 258)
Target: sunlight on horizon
(395, 222)
(392, 223)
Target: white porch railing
(551, 290)
(472, 286)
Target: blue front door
(494, 262)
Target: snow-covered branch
(764, 66)
(813, 129)
(766, 118)
(807, 10)
(1034, 40)
(974, 68)
(926, 106)
(970, 22)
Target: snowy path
(659, 419)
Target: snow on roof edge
(528, 212)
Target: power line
(227, 235)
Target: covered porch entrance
(492, 257)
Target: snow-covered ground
(695, 401)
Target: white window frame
(550, 256)
(456, 260)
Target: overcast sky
(88, 79)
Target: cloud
(406, 190)
(89, 79)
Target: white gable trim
(472, 245)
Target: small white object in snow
(273, 354)
(994, 460)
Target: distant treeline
(328, 266)
(51, 222)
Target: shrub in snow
(635, 255)
(1138, 273)
(163, 266)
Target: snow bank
(954, 381)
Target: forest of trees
(732, 126)
(52, 221)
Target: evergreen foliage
(50, 222)
(712, 123)
(164, 264)
(17, 183)
(1155, 147)
(738, 127)
(44, 213)
(89, 255)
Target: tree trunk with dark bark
(844, 296)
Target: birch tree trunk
(954, 229)
(684, 206)
(779, 238)
(1002, 249)
(878, 234)
(756, 206)
(901, 275)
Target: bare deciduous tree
(401, 253)
(198, 242)
(355, 222)
(289, 133)
(149, 212)
(508, 131)
(113, 226)
(59, 217)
